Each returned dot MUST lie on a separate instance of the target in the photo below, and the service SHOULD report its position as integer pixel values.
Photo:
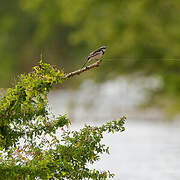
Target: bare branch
(78, 72)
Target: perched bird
(95, 55)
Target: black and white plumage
(96, 55)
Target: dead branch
(78, 72)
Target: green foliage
(27, 102)
(26, 117)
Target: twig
(96, 64)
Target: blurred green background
(142, 36)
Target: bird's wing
(93, 54)
(97, 50)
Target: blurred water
(145, 151)
(149, 149)
(106, 101)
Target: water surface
(149, 148)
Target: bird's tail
(85, 62)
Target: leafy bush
(25, 116)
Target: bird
(96, 55)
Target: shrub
(25, 116)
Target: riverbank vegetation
(29, 145)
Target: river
(149, 148)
